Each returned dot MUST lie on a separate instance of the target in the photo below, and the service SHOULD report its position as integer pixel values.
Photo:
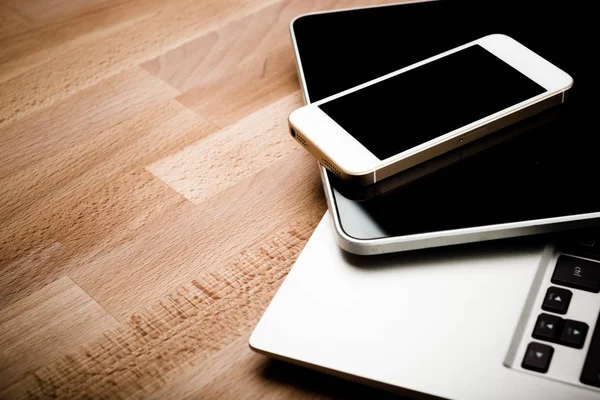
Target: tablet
(541, 180)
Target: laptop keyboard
(559, 333)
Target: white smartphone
(392, 123)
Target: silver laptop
(479, 321)
(501, 319)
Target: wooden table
(151, 201)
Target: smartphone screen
(429, 101)
(549, 171)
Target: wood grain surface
(151, 201)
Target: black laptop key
(548, 327)
(537, 357)
(577, 273)
(591, 368)
(573, 333)
(557, 300)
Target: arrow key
(574, 333)
(548, 327)
(537, 357)
(557, 300)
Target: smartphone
(541, 180)
(390, 124)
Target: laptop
(455, 322)
(503, 319)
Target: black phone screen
(426, 102)
(550, 171)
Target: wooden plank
(64, 27)
(224, 158)
(244, 93)
(96, 156)
(107, 55)
(241, 46)
(68, 123)
(94, 192)
(186, 242)
(11, 24)
(51, 163)
(37, 329)
(42, 11)
(192, 323)
(69, 234)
